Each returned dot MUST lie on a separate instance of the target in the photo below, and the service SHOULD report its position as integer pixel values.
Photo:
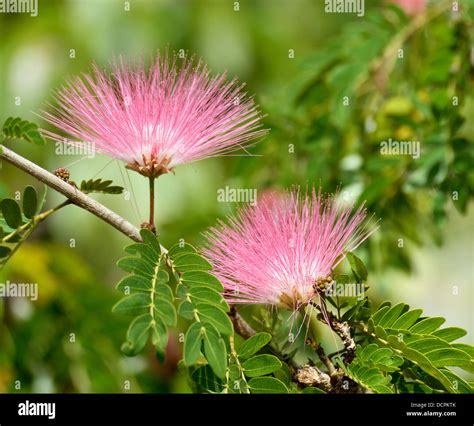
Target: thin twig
(29, 227)
(324, 358)
(312, 341)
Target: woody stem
(341, 328)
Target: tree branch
(341, 328)
(240, 325)
(75, 195)
(323, 357)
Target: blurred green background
(300, 63)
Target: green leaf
(163, 291)
(458, 383)
(369, 377)
(392, 315)
(133, 305)
(464, 347)
(137, 265)
(145, 251)
(99, 186)
(382, 358)
(252, 345)
(192, 262)
(233, 377)
(366, 352)
(4, 251)
(450, 333)
(381, 355)
(210, 314)
(425, 344)
(150, 239)
(186, 309)
(358, 268)
(448, 357)
(421, 361)
(180, 249)
(137, 335)
(418, 341)
(342, 279)
(206, 378)
(371, 367)
(30, 202)
(261, 365)
(380, 332)
(201, 279)
(284, 374)
(267, 385)
(16, 128)
(207, 295)
(181, 291)
(407, 319)
(427, 325)
(215, 352)
(381, 311)
(159, 334)
(11, 212)
(165, 310)
(151, 293)
(134, 283)
(192, 343)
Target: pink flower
(156, 119)
(278, 251)
(411, 7)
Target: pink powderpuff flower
(279, 251)
(156, 119)
(411, 7)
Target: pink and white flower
(156, 119)
(278, 251)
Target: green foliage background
(337, 146)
